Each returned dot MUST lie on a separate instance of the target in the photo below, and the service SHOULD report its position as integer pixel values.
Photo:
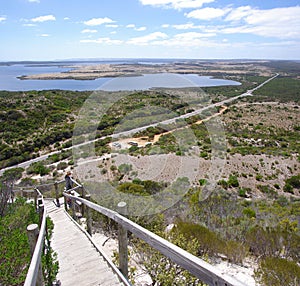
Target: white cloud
(43, 18)
(176, 4)
(66, 18)
(207, 13)
(145, 40)
(190, 36)
(191, 4)
(141, 29)
(105, 41)
(34, 1)
(285, 15)
(2, 18)
(239, 13)
(187, 26)
(98, 21)
(165, 26)
(136, 28)
(44, 35)
(278, 22)
(189, 39)
(88, 31)
(186, 40)
(183, 26)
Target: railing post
(73, 206)
(35, 196)
(88, 216)
(56, 194)
(33, 233)
(66, 203)
(123, 242)
(41, 212)
(82, 205)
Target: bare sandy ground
(168, 167)
(110, 246)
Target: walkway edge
(107, 259)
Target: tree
(7, 182)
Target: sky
(191, 29)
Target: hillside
(249, 153)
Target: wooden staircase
(80, 263)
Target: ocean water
(9, 79)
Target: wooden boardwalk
(79, 261)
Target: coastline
(92, 72)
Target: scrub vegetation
(251, 218)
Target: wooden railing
(196, 266)
(36, 235)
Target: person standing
(69, 183)
(69, 186)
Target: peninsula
(212, 68)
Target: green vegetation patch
(33, 120)
(14, 248)
(282, 89)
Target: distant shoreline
(95, 71)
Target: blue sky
(203, 29)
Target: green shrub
(131, 188)
(288, 188)
(264, 242)
(276, 186)
(235, 251)
(62, 166)
(223, 183)
(210, 243)
(14, 248)
(242, 192)
(249, 212)
(125, 168)
(267, 190)
(277, 272)
(202, 182)
(38, 168)
(291, 183)
(233, 181)
(259, 177)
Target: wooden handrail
(198, 267)
(33, 270)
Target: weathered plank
(79, 261)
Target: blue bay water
(9, 80)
